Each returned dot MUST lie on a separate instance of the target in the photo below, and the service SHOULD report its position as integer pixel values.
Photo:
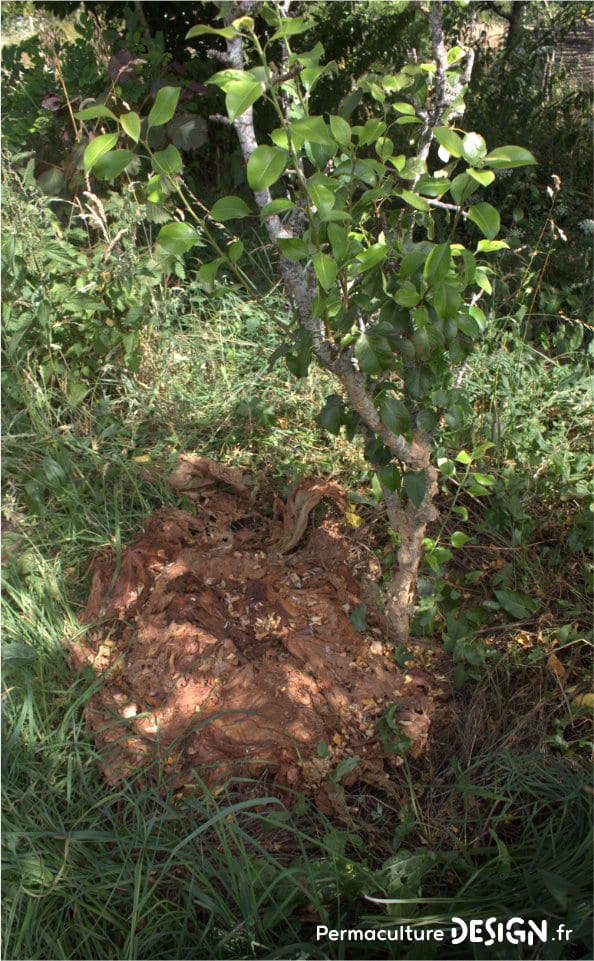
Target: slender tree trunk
(409, 521)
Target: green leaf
(373, 353)
(405, 108)
(94, 113)
(391, 477)
(372, 129)
(345, 767)
(331, 414)
(167, 161)
(97, 147)
(426, 419)
(449, 140)
(394, 415)
(358, 618)
(474, 148)
(341, 130)
(407, 295)
(290, 27)
(325, 268)
(164, 106)
(313, 130)
(446, 300)
(487, 246)
(131, 125)
(462, 187)
(177, 238)
(293, 248)
(241, 95)
(415, 485)
(278, 206)
(322, 197)
(208, 272)
(368, 259)
(458, 539)
(502, 158)
(516, 604)
(339, 238)
(463, 457)
(265, 166)
(414, 200)
(111, 164)
(229, 208)
(236, 251)
(437, 264)
(200, 29)
(483, 177)
(486, 218)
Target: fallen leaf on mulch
(224, 655)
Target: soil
(226, 648)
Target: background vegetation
(117, 359)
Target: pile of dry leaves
(226, 648)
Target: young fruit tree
(385, 296)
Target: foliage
(74, 334)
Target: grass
(495, 820)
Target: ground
(226, 644)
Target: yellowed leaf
(142, 458)
(555, 665)
(584, 700)
(353, 519)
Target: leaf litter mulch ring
(226, 649)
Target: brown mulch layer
(226, 648)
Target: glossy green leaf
(97, 147)
(112, 164)
(339, 238)
(331, 414)
(200, 29)
(474, 148)
(394, 415)
(177, 238)
(462, 187)
(437, 264)
(95, 113)
(414, 200)
(240, 96)
(312, 130)
(407, 295)
(229, 208)
(486, 218)
(449, 140)
(415, 485)
(164, 106)
(325, 268)
(341, 130)
(323, 198)
(131, 125)
(483, 177)
(404, 108)
(278, 206)
(503, 158)
(167, 161)
(368, 259)
(236, 251)
(290, 27)
(265, 166)
(373, 353)
(372, 129)
(208, 272)
(391, 477)
(459, 539)
(488, 246)
(446, 300)
(293, 248)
